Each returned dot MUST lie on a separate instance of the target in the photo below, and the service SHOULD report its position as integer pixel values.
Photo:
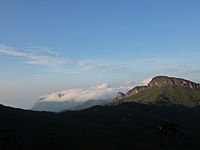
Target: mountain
(88, 104)
(66, 105)
(163, 90)
(134, 120)
(76, 99)
(160, 90)
(124, 126)
(55, 106)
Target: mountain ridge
(66, 105)
(125, 126)
(163, 89)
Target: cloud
(113, 65)
(43, 56)
(37, 55)
(100, 65)
(127, 85)
(47, 60)
(146, 81)
(32, 58)
(98, 92)
(40, 49)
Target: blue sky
(47, 46)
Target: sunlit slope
(166, 94)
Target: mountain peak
(165, 80)
(163, 89)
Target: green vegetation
(138, 122)
(168, 94)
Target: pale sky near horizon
(47, 46)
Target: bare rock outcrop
(164, 80)
(135, 90)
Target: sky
(54, 45)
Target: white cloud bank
(98, 92)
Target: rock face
(135, 90)
(164, 80)
(157, 82)
(120, 96)
(131, 92)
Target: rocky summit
(164, 80)
(163, 89)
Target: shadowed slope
(125, 126)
